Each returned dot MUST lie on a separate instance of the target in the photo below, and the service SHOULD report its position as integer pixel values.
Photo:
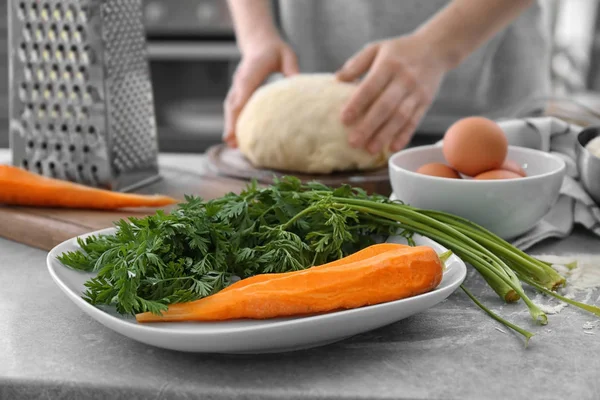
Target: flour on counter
(582, 281)
(585, 276)
(590, 325)
(543, 302)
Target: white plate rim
(129, 323)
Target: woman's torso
(507, 70)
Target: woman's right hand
(259, 60)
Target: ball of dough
(294, 125)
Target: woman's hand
(262, 58)
(402, 78)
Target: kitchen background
(193, 54)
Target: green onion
(528, 335)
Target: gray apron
(509, 69)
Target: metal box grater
(81, 104)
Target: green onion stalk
(498, 275)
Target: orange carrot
(388, 276)
(365, 253)
(23, 188)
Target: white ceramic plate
(249, 336)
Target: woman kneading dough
(363, 75)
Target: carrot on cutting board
(365, 253)
(24, 188)
(388, 276)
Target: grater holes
(71, 55)
(65, 34)
(86, 149)
(38, 166)
(54, 72)
(30, 144)
(27, 34)
(48, 91)
(23, 92)
(40, 74)
(79, 36)
(72, 148)
(56, 110)
(88, 94)
(22, 10)
(45, 12)
(62, 91)
(58, 147)
(42, 111)
(69, 112)
(44, 145)
(23, 52)
(53, 33)
(60, 52)
(81, 74)
(39, 33)
(82, 14)
(82, 113)
(51, 128)
(46, 54)
(25, 163)
(32, 12)
(28, 73)
(70, 13)
(68, 73)
(34, 55)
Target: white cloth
(574, 205)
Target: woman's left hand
(402, 78)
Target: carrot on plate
(391, 275)
(365, 253)
(24, 188)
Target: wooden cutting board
(230, 162)
(45, 228)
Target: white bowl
(507, 207)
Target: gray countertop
(51, 349)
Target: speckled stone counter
(49, 349)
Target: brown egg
(510, 165)
(497, 174)
(439, 170)
(474, 145)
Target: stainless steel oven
(193, 54)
